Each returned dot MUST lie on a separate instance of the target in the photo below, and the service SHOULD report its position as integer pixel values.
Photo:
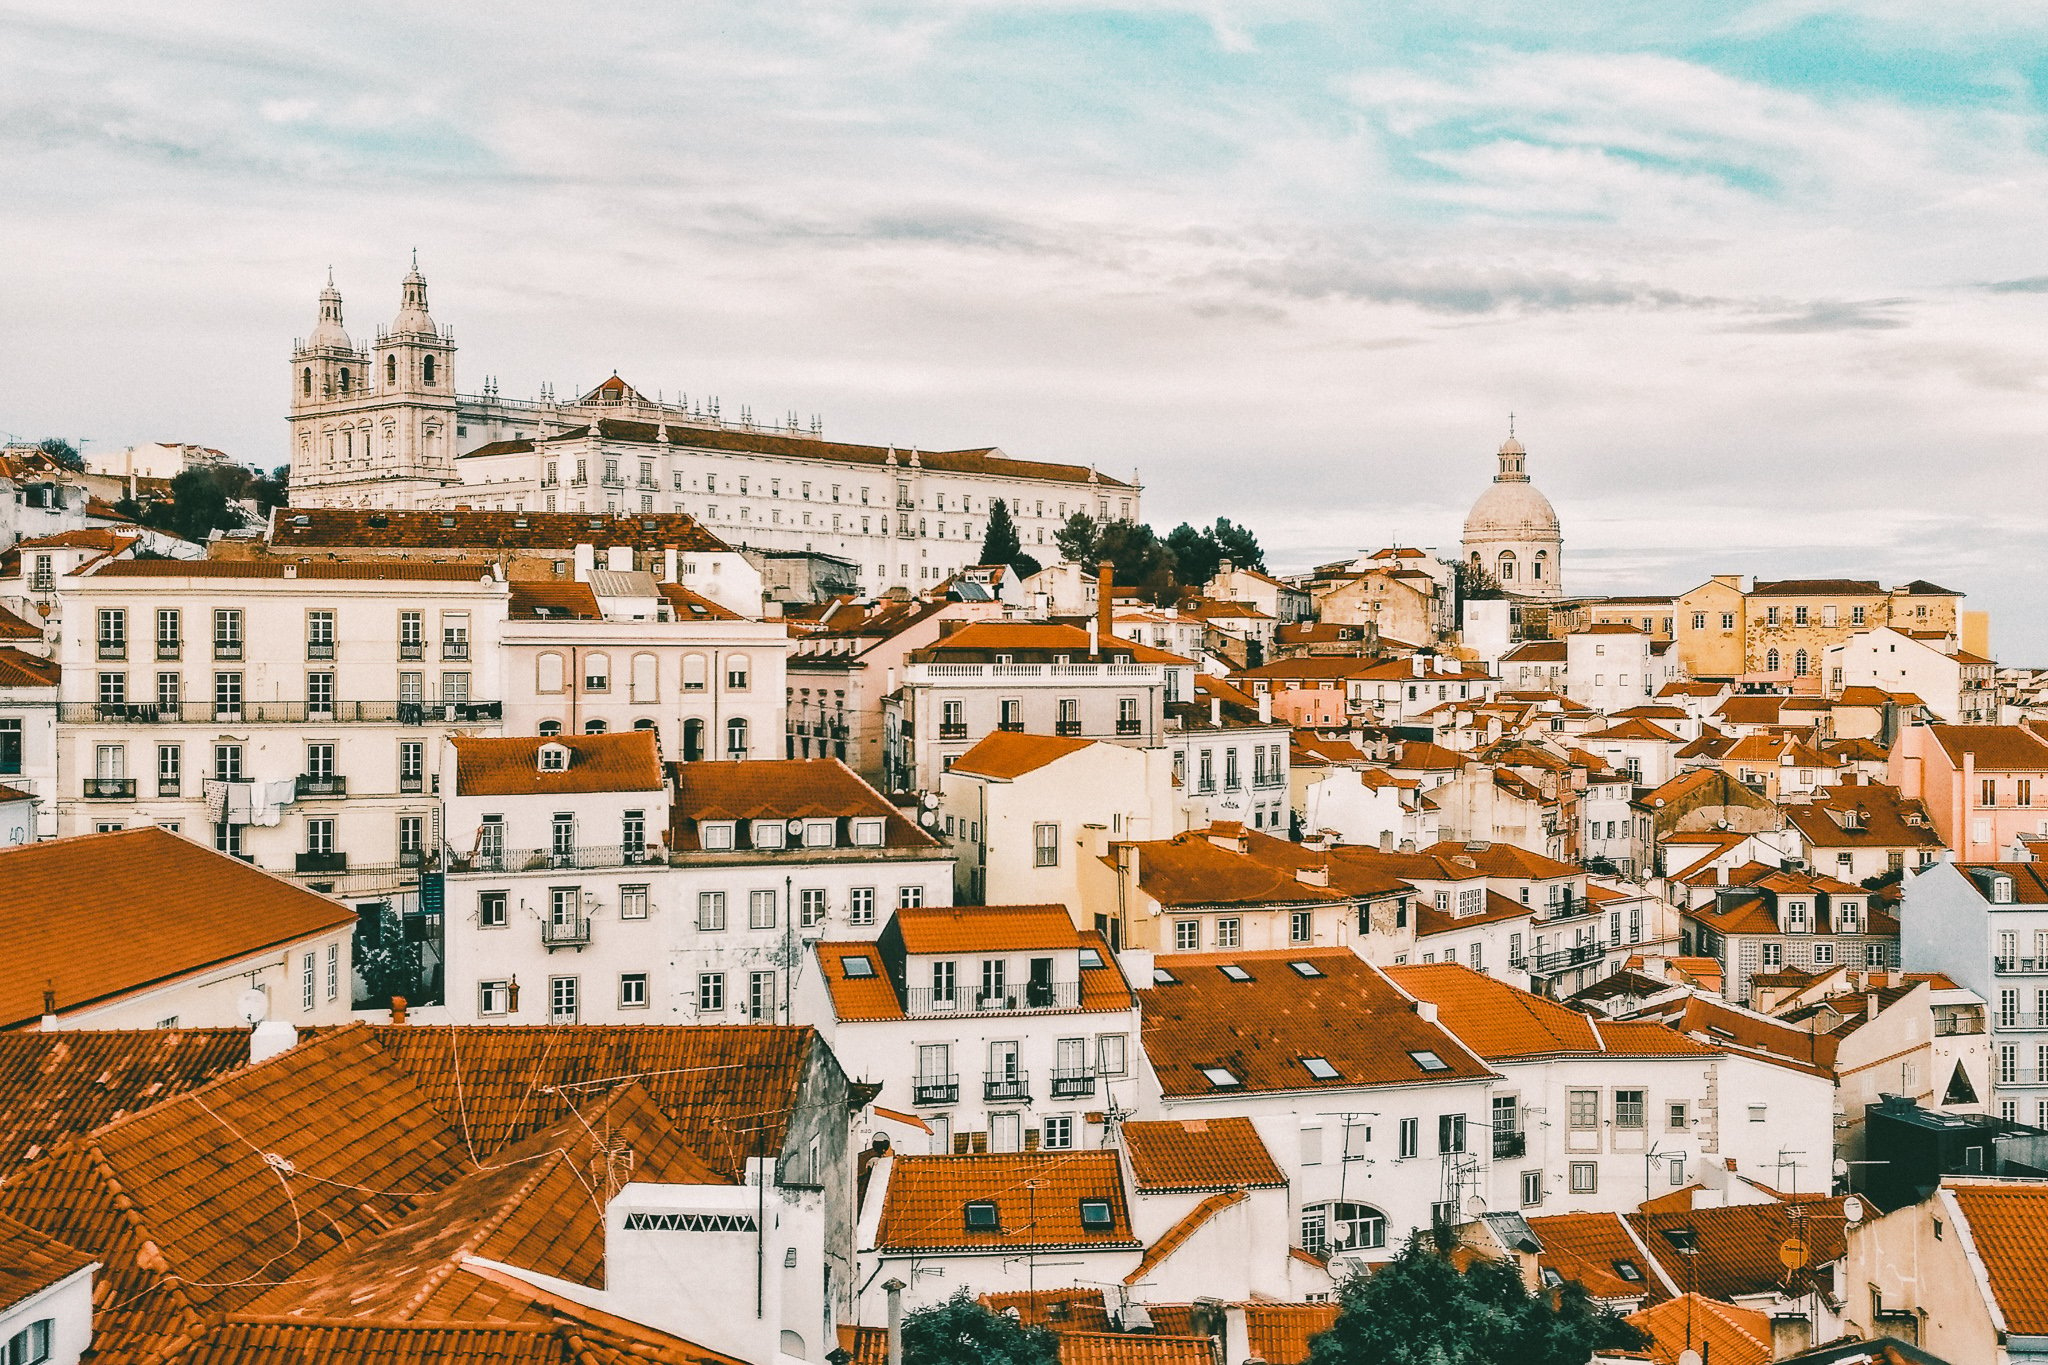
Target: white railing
(1137, 672)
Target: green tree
(1194, 554)
(62, 451)
(1420, 1310)
(1238, 545)
(961, 1331)
(1000, 544)
(1474, 583)
(1142, 560)
(1077, 538)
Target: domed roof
(1511, 509)
(412, 312)
(329, 332)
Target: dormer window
(867, 833)
(2001, 890)
(818, 834)
(716, 834)
(1795, 916)
(1848, 915)
(554, 758)
(770, 834)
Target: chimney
(1313, 876)
(1216, 711)
(1265, 708)
(1224, 566)
(1425, 1010)
(1871, 1006)
(1415, 665)
(894, 1289)
(49, 1011)
(270, 1037)
(1105, 600)
(397, 1009)
(1386, 841)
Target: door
(1039, 995)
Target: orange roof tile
(1175, 1237)
(1993, 748)
(1037, 1196)
(250, 1340)
(781, 788)
(1007, 754)
(369, 569)
(19, 669)
(537, 601)
(1190, 869)
(2008, 1224)
(1598, 1251)
(98, 915)
(471, 529)
(690, 606)
(1128, 1348)
(1257, 1032)
(13, 627)
(1727, 1335)
(31, 1262)
(985, 928)
(1039, 637)
(629, 761)
(1279, 1333)
(1501, 1023)
(1199, 1154)
(1738, 1245)
(59, 1085)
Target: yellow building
(1709, 628)
(1781, 629)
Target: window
(412, 837)
(1630, 1109)
(1583, 1110)
(1585, 1177)
(1187, 935)
(1301, 926)
(710, 992)
(1227, 931)
(1057, 1134)
(1410, 1137)
(308, 964)
(1450, 1132)
(10, 746)
(760, 996)
(1045, 841)
(1429, 1061)
(736, 672)
(320, 835)
(1532, 1188)
(633, 991)
(1219, 1078)
(227, 695)
(1774, 956)
(113, 633)
(1109, 1054)
(1320, 1068)
(493, 997)
(170, 764)
(113, 689)
(736, 738)
(982, 1217)
(562, 999)
(710, 910)
(633, 902)
(1675, 1116)
(597, 673)
(810, 907)
(909, 897)
(490, 909)
(859, 967)
(1699, 620)
(860, 905)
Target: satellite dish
(1852, 1210)
(929, 819)
(795, 827)
(1689, 1357)
(1841, 1168)
(252, 1006)
(1475, 1205)
(930, 800)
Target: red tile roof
(1038, 637)
(985, 928)
(1007, 754)
(1260, 1030)
(1037, 1195)
(60, 1085)
(1198, 1154)
(369, 569)
(469, 529)
(1279, 1333)
(1190, 869)
(784, 788)
(537, 601)
(874, 993)
(2008, 1225)
(1128, 1348)
(1724, 1333)
(99, 915)
(19, 669)
(31, 1262)
(13, 627)
(1992, 748)
(629, 761)
(1501, 1023)
(1594, 1249)
(249, 1340)
(1739, 1245)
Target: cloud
(2031, 284)
(1834, 315)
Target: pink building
(1983, 785)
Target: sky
(1763, 283)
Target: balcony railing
(113, 649)
(569, 933)
(2005, 1021)
(109, 788)
(321, 862)
(454, 651)
(555, 859)
(1029, 995)
(927, 1090)
(1072, 1085)
(1002, 1087)
(953, 729)
(167, 650)
(2020, 965)
(1571, 907)
(412, 649)
(1957, 1026)
(1066, 727)
(321, 784)
(409, 783)
(227, 649)
(279, 712)
(319, 649)
(1506, 1145)
(1560, 959)
(1014, 727)
(1130, 727)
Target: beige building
(1397, 603)
(1708, 624)
(1957, 1274)
(1780, 630)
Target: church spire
(330, 332)
(412, 307)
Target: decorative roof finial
(1511, 425)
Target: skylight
(981, 1216)
(1090, 958)
(857, 968)
(1628, 1271)
(1319, 1068)
(1429, 1061)
(1306, 968)
(1234, 972)
(1162, 977)
(1220, 1078)
(1095, 1215)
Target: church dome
(1511, 507)
(412, 311)
(329, 332)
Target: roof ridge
(435, 1277)
(1175, 1237)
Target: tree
(1076, 539)
(1474, 583)
(961, 1331)
(1420, 1310)
(62, 451)
(1141, 559)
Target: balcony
(169, 786)
(411, 783)
(573, 932)
(113, 649)
(999, 1087)
(1563, 958)
(1507, 1145)
(1018, 999)
(1072, 1085)
(227, 649)
(411, 650)
(953, 729)
(454, 651)
(1950, 1028)
(1130, 727)
(595, 856)
(320, 862)
(1014, 727)
(169, 650)
(1066, 727)
(321, 784)
(2020, 966)
(930, 1090)
(319, 649)
(279, 712)
(1571, 907)
(109, 788)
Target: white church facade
(382, 425)
(1513, 533)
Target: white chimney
(269, 1038)
(1094, 638)
(1425, 1010)
(1415, 665)
(1265, 708)
(1216, 711)
(619, 558)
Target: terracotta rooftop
(388, 570)
(863, 989)
(19, 669)
(1601, 1252)
(1038, 1199)
(985, 928)
(1279, 1333)
(83, 538)
(13, 627)
(549, 601)
(1502, 1023)
(1191, 869)
(1816, 587)
(351, 528)
(1008, 754)
(1254, 1024)
(781, 788)
(1725, 1333)
(31, 1262)
(1738, 1245)
(96, 916)
(1992, 748)
(1131, 1348)
(1033, 637)
(2008, 1225)
(1863, 815)
(628, 761)
(60, 1085)
(243, 1339)
(1198, 1154)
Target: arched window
(737, 673)
(593, 727)
(597, 672)
(427, 369)
(643, 681)
(1342, 1227)
(548, 673)
(693, 740)
(1771, 662)
(1801, 664)
(693, 673)
(344, 379)
(643, 723)
(736, 737)
(391, 369)
(1505, 570)
(306, 380)
(551, 727)
(1536, 569)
